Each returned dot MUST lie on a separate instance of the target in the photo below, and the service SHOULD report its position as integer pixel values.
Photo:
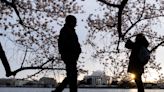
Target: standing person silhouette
(69, 48)
(135, 66)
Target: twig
(133, 24)
(35, 68)
(153, 49)
(109, 4)
(24, 58)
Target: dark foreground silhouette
(69, 48)
(136, 66)
(5, 62)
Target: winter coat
(135, 65)
(68, 44)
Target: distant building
(97, 78)
(20, 82)
(33, 83)
(150, 85)
(7, 82)
(43, 82)
(48, 82)
(160, 85)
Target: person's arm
(129, 44)
(75, 44)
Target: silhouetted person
(135, 65)
(5, 62)
(69, 48)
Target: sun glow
(132, 76)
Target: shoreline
(86, 87)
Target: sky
(91, 65)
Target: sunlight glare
(132, 76)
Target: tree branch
(24, 58)
(109, 4)
(35, 68)
(153, 49)
(133, 24)
(119, 29)
(12, 4)
(8, 70)
(33, 74)
(5, 61)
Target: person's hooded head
(70, 21)
(141, 40)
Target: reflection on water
(79, 90)
(117, 90)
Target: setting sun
(132, 76)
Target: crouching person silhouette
(69, 48)
(135, 64)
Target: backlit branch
(34, 74)
(9, 72)
(119, 22)
(109, 4)
(12, 4)
(119, 26)
(119, 29)
(153, 49)
(120, 7)
(133, 24)
(24, 58)
(36, 68)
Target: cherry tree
(33, 26)
(118, 21)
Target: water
(79, 90)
